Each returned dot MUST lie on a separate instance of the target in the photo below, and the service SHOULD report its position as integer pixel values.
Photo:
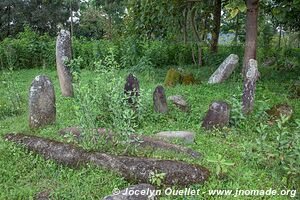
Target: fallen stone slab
(224, 70)
(280, 109)
(180, 102)
(134, 169)
(140, 140)
(135, 192)
(148, 142)
(185, 136)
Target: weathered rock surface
(185, 136)
(159, 99)
(173, 77)
(180, 102)
(250, 87)
(135, 169)
(63, 53)
(132, 89)
(42, 110)
(225, 69)
(140, 140)
(135, 192)
(217, 116)
(280, 109)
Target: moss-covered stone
(173, 77)
(295, 90)
(280, 109)
(188, 79)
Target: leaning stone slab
(135, 192)
(250, 87)
(180, 102)
(140, 140)
(217, 116)
(159, 100)
(42, 110)
(134, 169)
(63, 53)
(225, 69)
(185, 136)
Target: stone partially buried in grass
(217, 116)
(187, 137)
(280, 109)
(42, 110)
(180, 102)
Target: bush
(27, 50)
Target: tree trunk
(280, 34)
(251, 33)
(196, 35)
(71, 27)
(185, 34)
(216, 29)
(236, 29)
(8, 19)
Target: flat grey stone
(180, 102)
(185, 136)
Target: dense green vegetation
(111, 39)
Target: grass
(23, 175)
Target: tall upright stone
(217, 116)
(159, 100)
(224, 70)
(42, 110)
(249, 87)
(132, 88)
(63, 53)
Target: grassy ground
(22, 174)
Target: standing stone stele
(159, 100)
(42, 108)
(217, 116)
(63, 53)
(224, 70)
(249, 87)
(132, 89)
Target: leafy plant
(156, 178)
(221, 164)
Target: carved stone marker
(249, 87)
(42, 108)
(63, 53)
(132, 88)
(225, 69)
(217, 116)
(159, 99)
(135, 192)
